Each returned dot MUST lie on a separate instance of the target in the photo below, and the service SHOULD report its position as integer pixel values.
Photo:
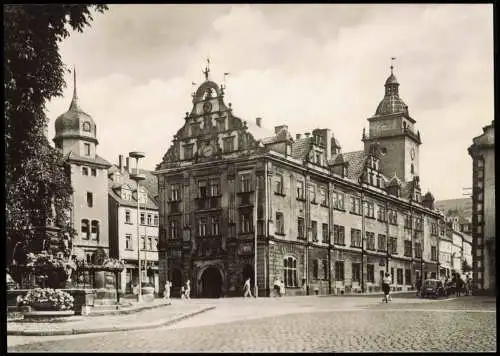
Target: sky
(306, 66)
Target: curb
(127, 311)
(109, 328)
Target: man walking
(247, 289)
(418, 285)
(188, 289)
(166, 294)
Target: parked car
(432, 288)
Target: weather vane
(207, 69)
(392, 63)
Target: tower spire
(207, 69)
(74, 101)
(392, 64)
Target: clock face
(412, 153)
(207, 151)
(207, 107)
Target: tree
(37, 180)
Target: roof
(356, 161)
(98, 159)
(302, 147)
(150, 184)
(260, 132)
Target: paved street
(304, 324)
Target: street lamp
(137, 177)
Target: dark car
(432, 288)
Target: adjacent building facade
(124, 244)
(76, 138)
(324, 220)
(482, 152)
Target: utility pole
(256, 212)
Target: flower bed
(47, 299)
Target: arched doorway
(211, 283)
(248, 273)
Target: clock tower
(393, 129)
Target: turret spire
(392, 64)
(74, 101)
(207, 69)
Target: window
(325, 269)
(318, 158)
(339, 270)
(215, 226)
(128, 242)
(85, 171)
(207, 122)
(150, 243)
(393, 246)
(408, 251)
(86, 126)
(316, 269)
(202, 226)
(434, 229)
(433, 253)
(370, 209)
(228, 144)
(408, 277)
(127, 217)
(325, 233)
(312, 193)
(93, 171)
(356, 272)
(214, 188)
(407, 221)
(355, 238)
(231, 209)
(322, 197)
(400, 276)
(188, 151)
(143, 242)
(370, 241)
(370, 273)
(280, 224)
(90, 199)
(300, 228)
(338, 235)
(338, 200)
(245, 183)
(195, 129)
(382, 242)
(85, 229)
(175, 192)
(381, 213)
(278, 184)
(156, 222)
(418, 250)
(290, 271)
(95, 230)
(355, 206)
(174, 229)
(392, 275)
(393, 217)
(246, 223)
(202, 189)
(86, 148)
(300, 189)
(419, 224)
(150, 219)
(143, 219)
(314, 228)
(221, 124)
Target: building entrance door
(211, 283)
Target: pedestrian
(188, 289)
(183, 293)
(247, 289)
(277, 288)
(282, 288)
(458, 283)
(386, 287)
(418, 285)
(166, 294)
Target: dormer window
(86, 126)
(344, 171)
(318, 158)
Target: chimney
(307, 134)
(277, 129)
(120, 163)
(258, 121)
(127, 164)
(297, 136)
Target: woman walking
(386, 287)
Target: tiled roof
(98, 159)
(150, 184)
(301, 147)
(356, 162)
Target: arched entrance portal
(211, 283)
(248, 273)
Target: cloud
(306, 66)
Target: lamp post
(137, 177)
(256, 212)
